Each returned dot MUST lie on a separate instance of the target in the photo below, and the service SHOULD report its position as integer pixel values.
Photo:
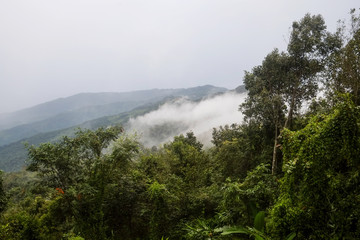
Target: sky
(57, 48)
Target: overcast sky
(57, 48)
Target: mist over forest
(277, 158)
(182, 115)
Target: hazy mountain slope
(64, 120)
(79, 102)
(13, 156)
(80, 115)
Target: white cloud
(182, 116)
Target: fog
(182, 115)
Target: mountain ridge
(82, 100)
(74, 116)
(13, 155)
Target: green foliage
(69, 161)
(202, 229)
(159, 218)
(257, 232)
(265, 85)
(285, 80)
(259, 221)
(240, 148)
(89, 180)
(19, 226)
(191, 181)
(3, 195)
(242, 201)
(319, 190)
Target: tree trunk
(274, 160)
(356, 91)
(289, 118)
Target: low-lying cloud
(182, 115)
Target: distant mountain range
(74, 110)
(52, 120)
(14, 155)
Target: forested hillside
(290, 170)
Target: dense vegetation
(287, 172)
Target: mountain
(14, 154)
(74, 110)
(85, 101)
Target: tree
(344, 67)
(159, 219)
(285, 80)
(265, 102)
(190, 182)
(243, 200)
(303, 50)
(90, 179)
(71, 160)
(3, 195)
(238, 149)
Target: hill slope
(13, 155)
(69, 115)
(85, 101)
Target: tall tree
(308, 48)
(344, 65)
(285, 80)
(265, 102)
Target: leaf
(257, 234)
(291, 236)
(258, 237)
(259, 221)
(234, 230)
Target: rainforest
(289, 170)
